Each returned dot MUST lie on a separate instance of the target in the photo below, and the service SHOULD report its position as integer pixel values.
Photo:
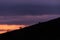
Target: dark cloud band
(29, 9)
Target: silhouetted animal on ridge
(49, 30)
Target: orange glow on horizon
(6, 28)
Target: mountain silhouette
(49, 30)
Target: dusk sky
(28, 11)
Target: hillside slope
(49, 30)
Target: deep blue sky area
(28, 11)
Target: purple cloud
(54, 2)
(27, 19)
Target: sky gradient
(28, 11)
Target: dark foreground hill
(49, 30)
